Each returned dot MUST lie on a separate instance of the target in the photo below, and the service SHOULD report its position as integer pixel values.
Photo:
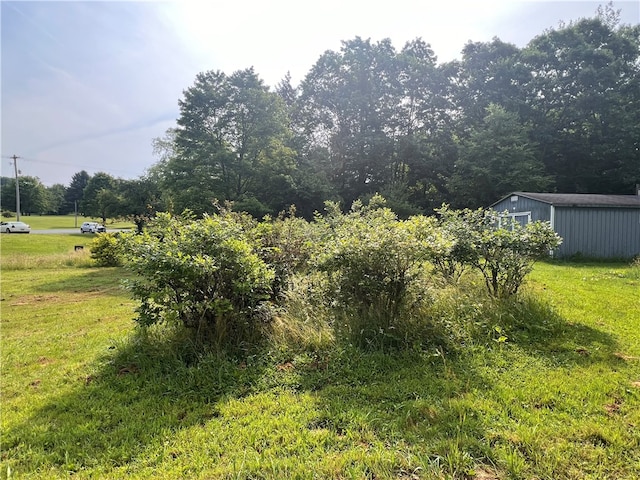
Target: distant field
(47, 222)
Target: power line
(74, 165)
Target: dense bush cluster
(204, 274)
(226, 276)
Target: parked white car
(92, 227)
(14, 227)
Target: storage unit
(599, 226)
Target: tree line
(100, 195)
(560, 114)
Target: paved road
(66, 231)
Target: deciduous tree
(99, 199)
(230, 143)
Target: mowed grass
(551, 391)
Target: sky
(87, 85)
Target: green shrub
(286, 244)
(372, 260)
(501, 249)
(204, 274)
(106, 250)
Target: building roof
(580, 199)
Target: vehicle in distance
(92, 227)
(14, 227)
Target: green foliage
(560, 114)
(74, 194)
(373, 259)
(106, 250)
(305, 321)
(33, 195)
(496, 159)
(203, 274)
(99, 198)
(542, 384)
(286, 244)
(497, 246)
(139, 200)
(231, 144)
(586, 115)
(55, 199)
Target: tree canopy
(561, 114)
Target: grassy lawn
(47, 222)
(83, 395)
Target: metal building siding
(598, 232)
(539, 210)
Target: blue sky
(88, 85)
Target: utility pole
(15, 166)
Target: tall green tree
(348, 99)
(425, 150)
(489, 73)
(230, 142)
(139, 200)
(74, 194)
(33, 196)
(496, 159)
(55, 199)
(584, 98)
(99, 198)
(310, 183)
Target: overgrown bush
(501, 249)
(106, 250)
(285, 243)
(220, 275)
(372, 260)
(204, 274)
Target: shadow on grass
(407, 402)
(146, 390)
(534, 326)
(137, 394)
(105, 280)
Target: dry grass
(80, 258)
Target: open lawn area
(85, 395)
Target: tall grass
(32, 252)
(11, 245)
(80, 258)
(305, 322)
